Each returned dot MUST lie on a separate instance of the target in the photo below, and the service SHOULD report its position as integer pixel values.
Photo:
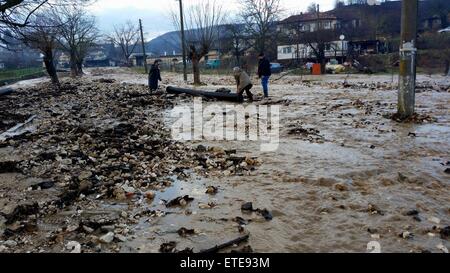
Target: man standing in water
(154, 76)
(264, 73)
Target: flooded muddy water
(321, 193)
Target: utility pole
(143, 47)
(183, 41)
(408, 51)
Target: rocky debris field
(93, 142)
(93, 168)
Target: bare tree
(202, 23)
(260, 17)
(77, 34)
(19, 13)
(237, 41)
(311, 8)
(126, 37)
(43, 38)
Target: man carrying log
(243, 83)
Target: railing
(13, 75)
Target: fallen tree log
(5, 91)
(206, 94)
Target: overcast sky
(156, 13)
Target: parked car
(333, 67)
(213, 64)
(276, 68)
(445, 30)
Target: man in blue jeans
(264, 73)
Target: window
(305, 27)
(287, 50)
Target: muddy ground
(94, 169)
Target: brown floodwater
(377, 160)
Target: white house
(333, 49)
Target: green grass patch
(13, 75)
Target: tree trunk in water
(196, 70)
(321, 58)
(50, 67)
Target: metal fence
(13, 75)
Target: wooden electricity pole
(183, 41)
(143, 47)
(408, 51)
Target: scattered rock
(10, 243)
(373, 209)
(107, 238)
(43, 185)
(184, 232)
(265, 213)
(212, 190)
(201, 149)
(442, 248)
(150, 195)
(241, 221)
(372, 230)
(341, 187)
(210, 205)
(406, 235)
(412, 212)
(434, 220)
(247, 206)
(21, 212)
(445, 232)
(120, 238)
(179, 201)
(103, 80)
(73, 247)
(84, 175)
(167, 247)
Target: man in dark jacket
(154, 76)
(264, 73)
